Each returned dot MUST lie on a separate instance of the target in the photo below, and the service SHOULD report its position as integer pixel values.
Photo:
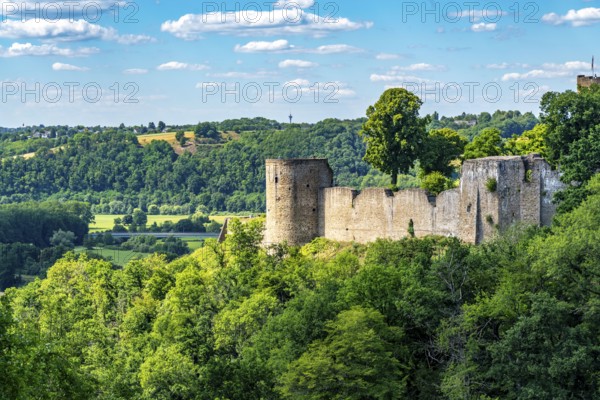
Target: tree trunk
(394, 179)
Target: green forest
(110, 170)
(517, 317)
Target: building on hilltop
(495, 192)
(584, 81)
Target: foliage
(35, 223)
(332, 368)
(441, 148)
(63, 238)
(415, 318)
(491, 185)
(533, 141)
(573, 139)
(111, 171)
(394, 133)
(487, 144)
(435, 183)
(510, 123)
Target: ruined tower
(584, 81)
(293, 188)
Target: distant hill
(116, 170)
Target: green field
(106, 222)
(168, 137)
(193, 243)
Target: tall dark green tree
(573, 139)
(441, 147)
(394, 133)
(487, 144)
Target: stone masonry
(587, 81)
(494, 193)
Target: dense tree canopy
(442, 146)
(515, 318)
(487, 144)
(573, 138)
(394, 132)
(116, 175)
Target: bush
(435, 183)
(142, 244)
(491, 185)
(153, 209)
(213, 227)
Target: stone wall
(303, 205)
(292, 199)
(587, 81)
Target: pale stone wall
(303, 205)
(587, 81)
(292, 199)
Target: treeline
(509, 123)
(424, 318)
(113, 167)
(34, 235)
(111, 171)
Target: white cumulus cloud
(483, 27)
(297, 64)
(420, 67)
(577, 18)
(550, 70)
(67, 67)
(294, 4)
(265, 22)
(179, 66)
(334, 49)
(135, 71)
(28, 49)
(263, 47)
(283, 46)
(65, 30)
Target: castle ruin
(494, 193)
(584, 81)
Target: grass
(169, 137)
(106, 222)
(193, 243)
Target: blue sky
(105, 62)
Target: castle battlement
(584, 81)
(303, 204)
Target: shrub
(435, 183)
(213, 227)
(153, 209)
(411, 228)
(491, 185)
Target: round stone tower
(293, 188)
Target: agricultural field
(193, 243)
(106, 222)
(169, 137)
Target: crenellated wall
(303, 205)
